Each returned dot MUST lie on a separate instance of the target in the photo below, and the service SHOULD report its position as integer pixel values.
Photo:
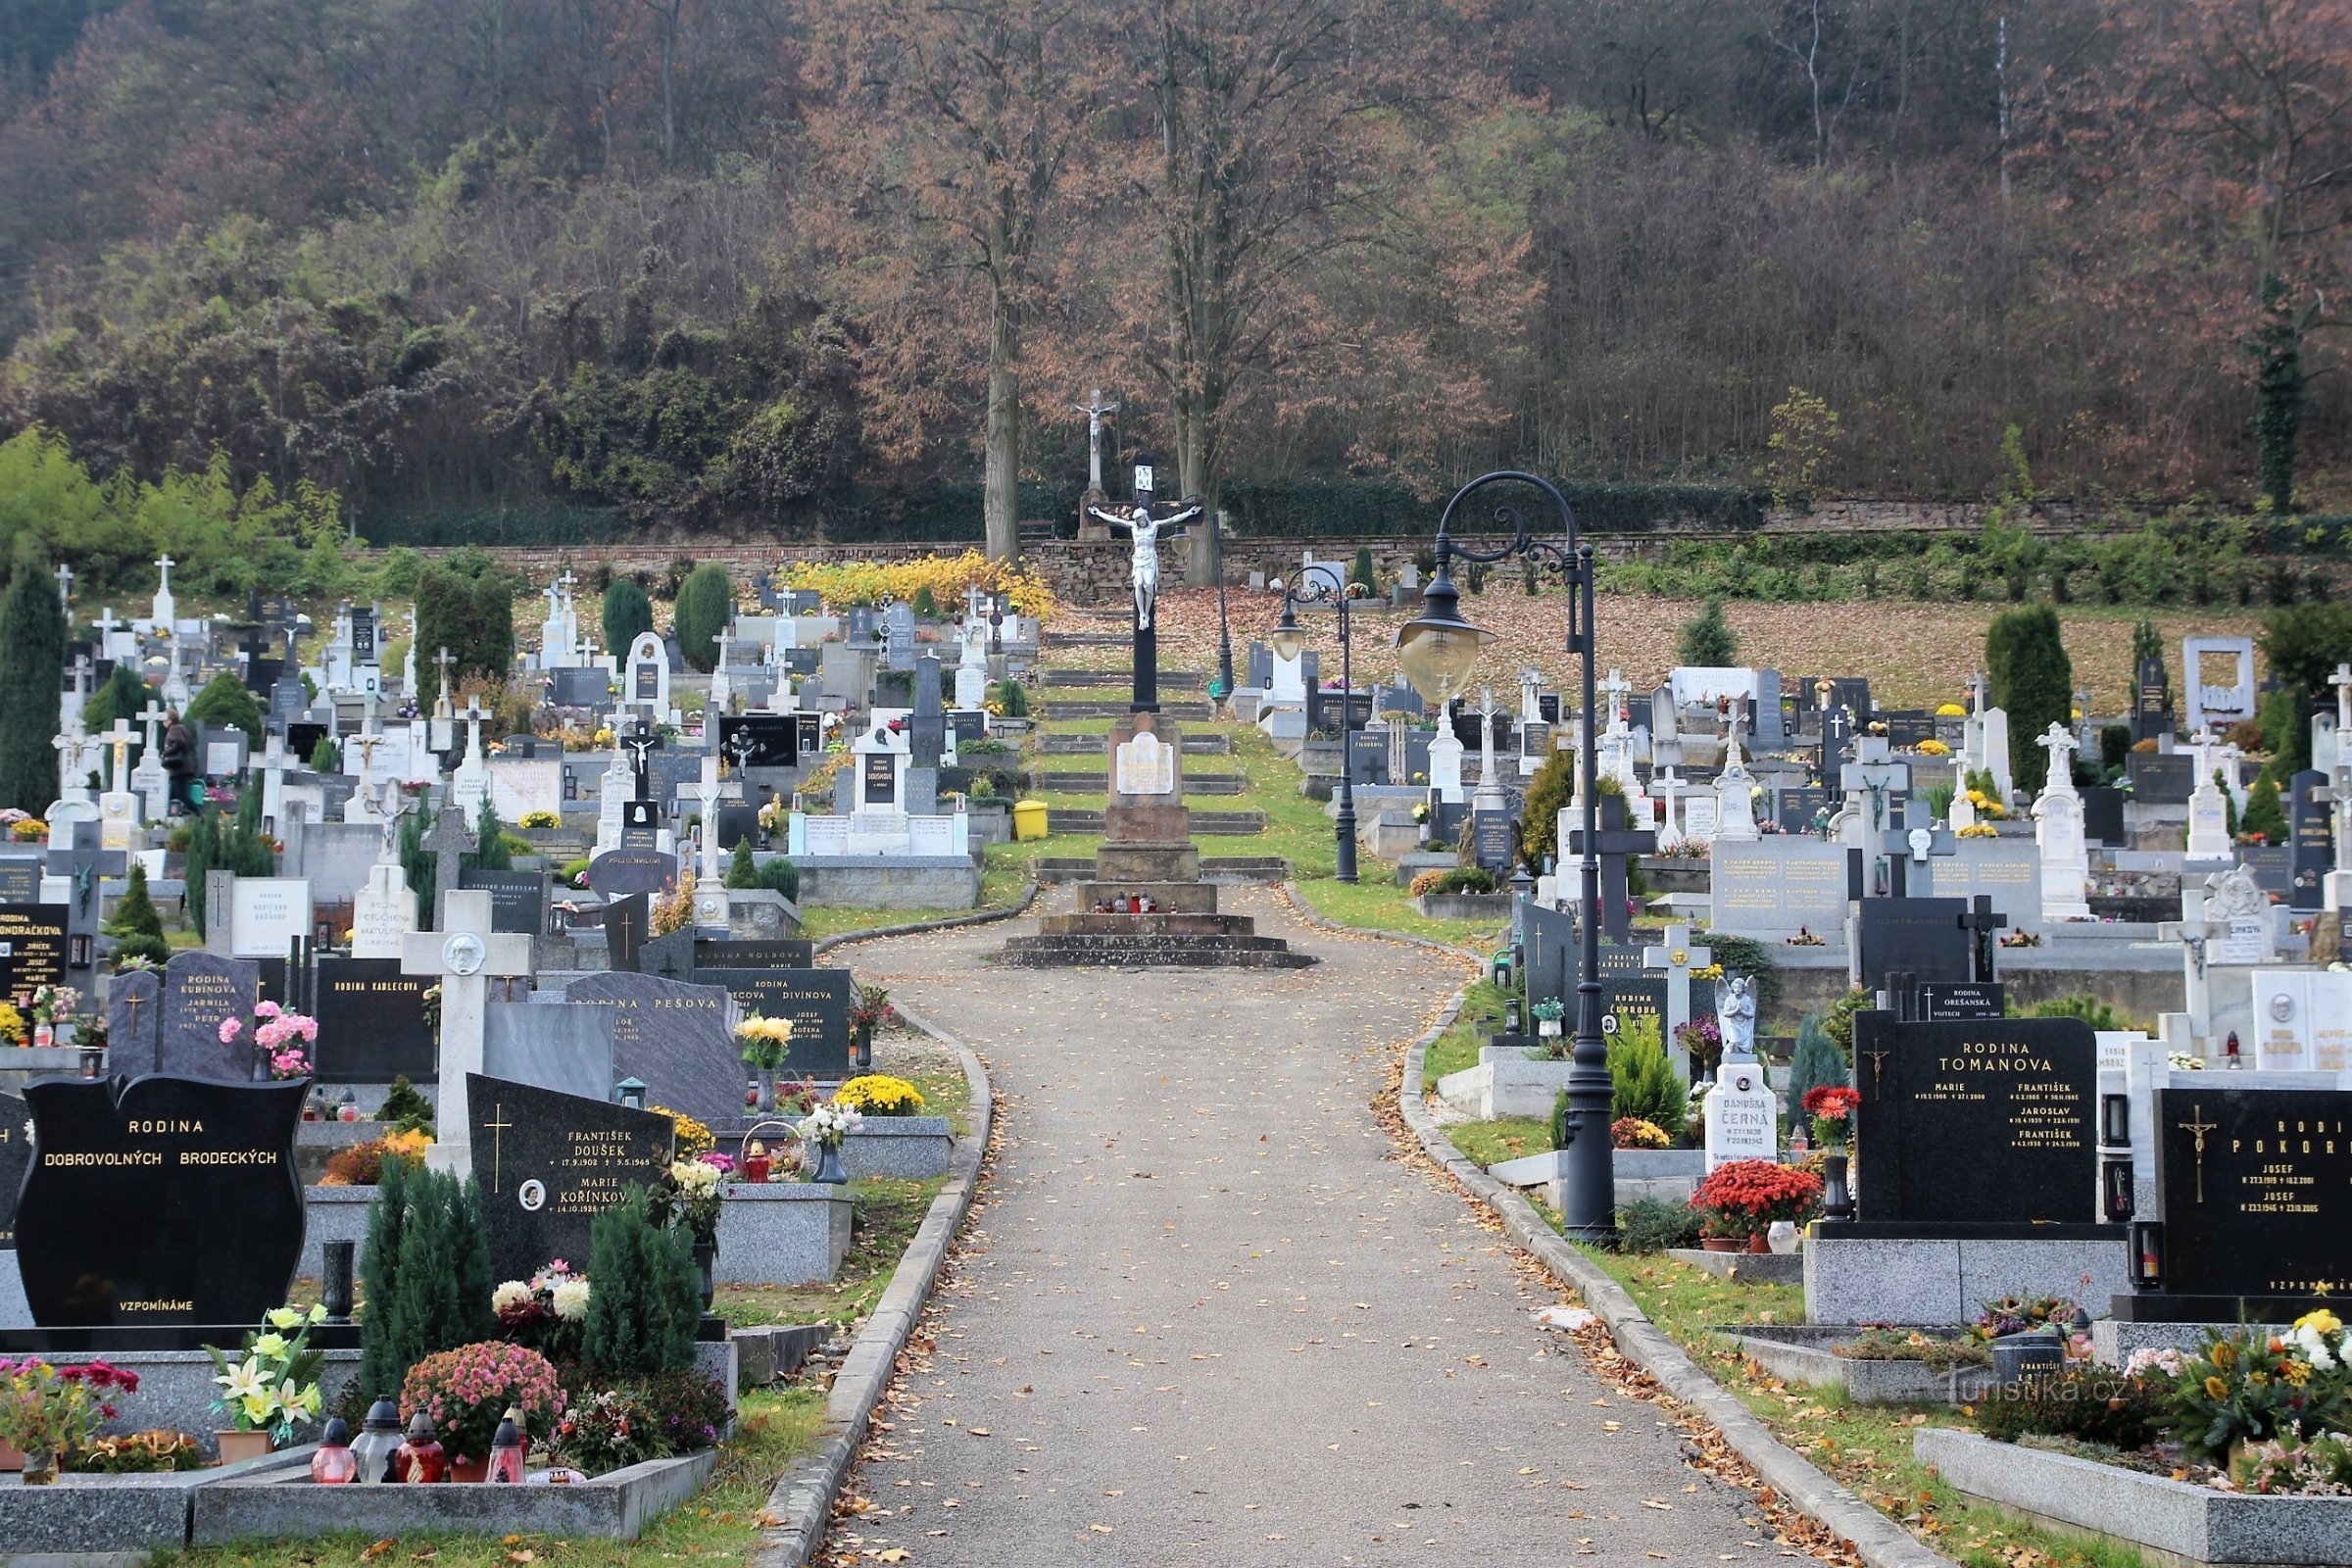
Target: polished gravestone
(548, 1163)
(20, 879)
(16, 1157)
(778, 953)
(32, 949)
(2161, 778)
(176, 1204)
(200, 990)
(627, 928)
(1985, 1123)
(1919, 937)
(2254, 1195)
(562, 1045)
(816, 1000)
(517, 899)
(620, 872)
(372, 1022)
(674, 1038)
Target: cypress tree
(32, 659)
(1707, 641)
(136, 913)
(705, 604)
(1547, 794)
(2033, 681)
(628, 614)
(1816, 1062)
(440, 1296)
(380, 1366)
(743, 871)
(224, 700)
(647, 1298)
(490, 852)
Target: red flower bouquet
(1831, 1108)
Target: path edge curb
(1881, 1542)
(801, 1503)
(916, 928)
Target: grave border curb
(800, 1505)
(1880, 1541)
(916, 928)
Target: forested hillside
(743, 260)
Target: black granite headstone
(2102, 814)
(2268, 865)
(1490, 840)
(32, 949)
(627, 924)
(178, 1203)
(1948, 1002)
(1799, 804)
(16, 1158)
(2310, 854)
(548, 1163)
(2161, 779)
(774, 739)
(737, 823)
(373, 1025)
(780, 953)
(617, 873)
(816, 1000)
(20, 879)
(1987, 1122)
(2254, 1186)
(517, 899)
(1919, 937)
(2151, 715)
(1367, 757)
(1553, 956)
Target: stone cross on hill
(465, 958)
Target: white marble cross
(2061, 746)
(119, 741)
(1616, 686)
(465, 958)
(1677, 957)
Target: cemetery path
(1207, 1315)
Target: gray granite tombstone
(200, 990)
(926, 731)
(563, 1046)
(898, 636)
(676, 1038)
(134, 1023)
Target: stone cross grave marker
(467, 955)
(1911, 850)
(1678, 956)
(450, 843)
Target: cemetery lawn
(1866, 1449)
(720, 1524)
(1457, 1047)
(890, 1211)
(1001, 881)
(1505, 1138)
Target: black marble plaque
(517, 899)
(548, 1163)
(1945, 1001)
(1798, 806)
(617, 873)
(781, 953)
(2161, 779)
(32, 949)
(16, 1158)
(372, 1026)
(1990, 1122)
(1918, 937)
(816, 1000)
(20, 879)
(775, 739)
(178, 1203)
(737, 823)
(880, 770)
(2254, 1186)
(2310, 850)
(1491, 839)
(2102, 814)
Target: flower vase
(828, 1165)
(862, 1047)
(40, 1467)
(240, 1445)
(706, 1263)
(767, 1091)
(1837, 1202)
(1782, 1238)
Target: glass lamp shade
(1288, 641)
(1438, 656)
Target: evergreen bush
(628, 615)
(465, 604)
(136, 915)
(1360, 574)
(124, 696)
(2264, 814)
(1708, 640)
(781, 875)
(491, 851)
(405, 1108)
(381, 1368)
(32, 651)
(1655, 1224)
(1013, 698)
(2033, 681)
(1818, 1060)
(426, 1265)
(1547, 795)
(743, 871)
(226, 702)
(646, 1298)
(706, 605)
(1647, 1088)
(155, 949)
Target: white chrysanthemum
(570, 1299)
(509, 1296)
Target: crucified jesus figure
(1144, 575)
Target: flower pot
(12, 1458)
(1758, 1243)
(476, 1469)
(1548, 1028)
(705, 1262)
(1837, 1202)
(1723, 1243)
(1782, 1238)
(238, 1445)
(828, 1165)
(40, 1469)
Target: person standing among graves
(180, 762)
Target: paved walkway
(1215, 1321)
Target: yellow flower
(2224, 1355)
(284, 1317)
(2296, 1372)
(2215, 1389)
(271, 1346)
(2322, 1321)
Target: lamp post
(1317, 584)
(1216, 534)
(1437, 650)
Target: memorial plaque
(676, 1039)
(627, 926)
(200, 990)
(372, 1024)
(548, 1163)
(585, 686)
(16, 1157)
(2310, 847)
(1919, 937)
(517, 899)
(1987, 1122)
(267, 915)
(816, 1000)
(176, 1204)
(1947, 1002)
(1626, 1002)
(1799, 804)
(775, 739)
(1776, 886)
(32, 949)
(2161, 779)
(2102, 814)
(1491, 839)
(617, 873)
(2254, 1186)
(880, 772)
(780, 953)
(2269, 866)
(20, 879)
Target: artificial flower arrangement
(469, 1391)
(2018, 1315)
(547, 1312)
(764, 1041)
(1551, 1010)
(49, 1411)
(1832, 1110)
(689, 1194)
(828, 1125)
(1744, 1197)
(271, 1384)
(1979, 830)
(52, 1005)
(1701, 1039)
(2249, 1388)
(872, 1009)
(880, 1094)
(541, 820)
(284, 1036)
(1932, 747)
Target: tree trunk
(1001, 470)
(1196, 468)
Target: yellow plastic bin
(1028, 820)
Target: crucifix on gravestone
(1677, 957)
(1910, 848)
(640, 742)
(1611, 845)
(465, 959)
(83, 862)
(443, 708)
(449, 843)
(1876, 775)
(119, 741)
(1982, 926)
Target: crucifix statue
(1143, 574)
(1094, 407)
(640, 743)
(1984, 927)
(397, 803)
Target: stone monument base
(1859, 1272)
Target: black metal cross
(1611, 846)
(1981, 922)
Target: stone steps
(1142, 949)
(1170, 680)
(1230, 870)
(1072, 708)
(1099, 783)
(1090, 639)
(1220, 825)
(1212, 742)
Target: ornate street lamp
(1317, 584)
(1438, 651)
